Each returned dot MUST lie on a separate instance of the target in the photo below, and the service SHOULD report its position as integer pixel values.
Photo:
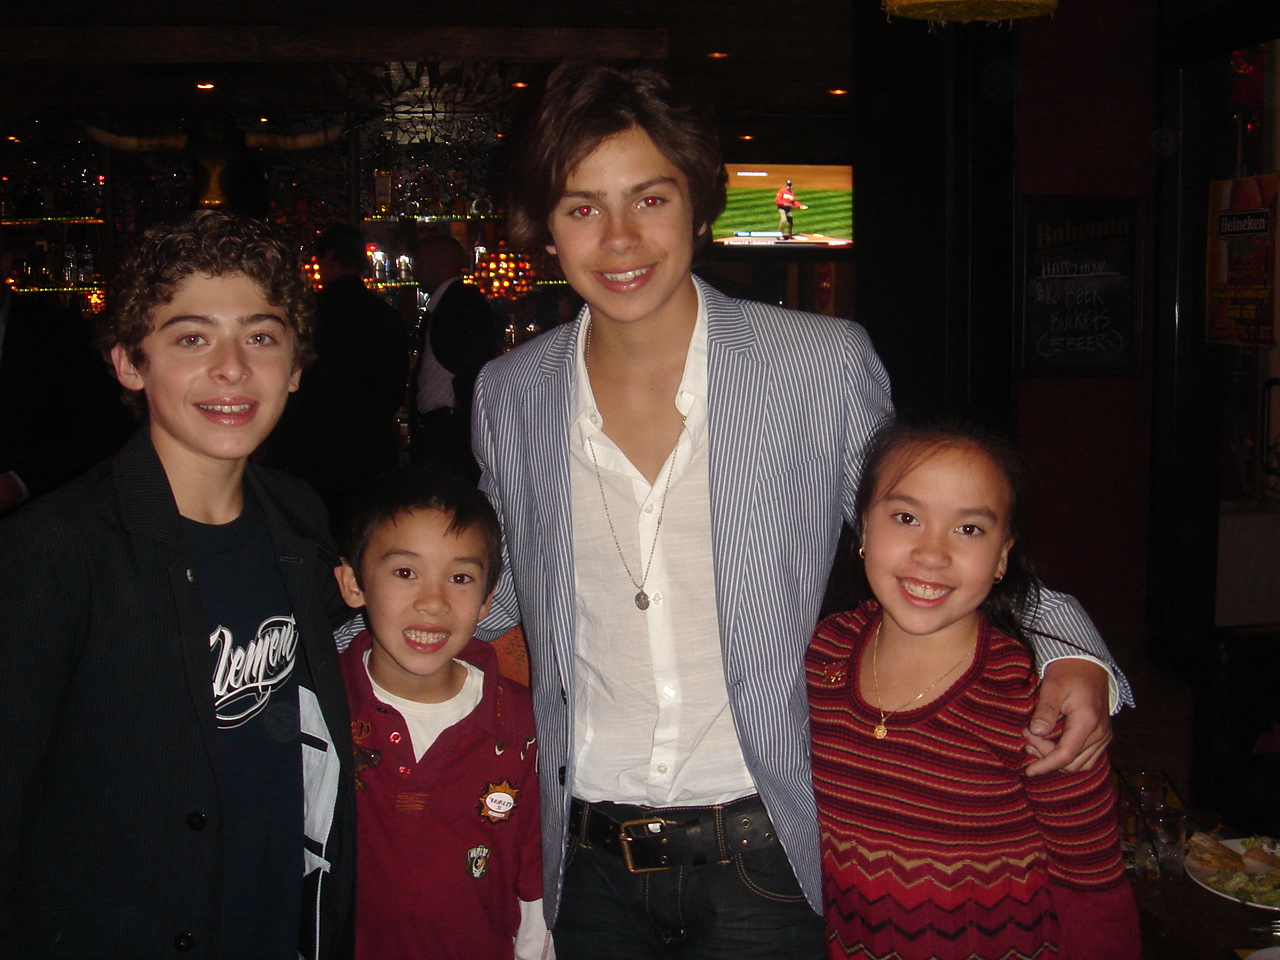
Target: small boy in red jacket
(449, 860)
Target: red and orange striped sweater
(934, 844)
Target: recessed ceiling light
(717, 55)
(837, 92)
(204, 86)
(519, 84)
(746, 136)
(262, 119)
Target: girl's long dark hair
(1012, 601)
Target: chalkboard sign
(1081, 286)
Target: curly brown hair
(208, 242)
(586, 103)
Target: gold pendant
(880, 731)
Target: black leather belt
(658, 838)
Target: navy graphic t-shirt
(255, 662)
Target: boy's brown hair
(586, 103)
(208, 242)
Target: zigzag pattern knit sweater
(934, 845)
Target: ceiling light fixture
(963, 11)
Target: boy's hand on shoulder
(1078, 690)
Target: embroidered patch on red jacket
(498, 801)
(478, 861)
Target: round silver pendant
(642, 600)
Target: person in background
(341, 427)
(449, 857)
(458, 334)
(935, 845)
(60, 409)
(177, 768)
(672, 471)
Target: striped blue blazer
(792, 400)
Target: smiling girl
(934, 842)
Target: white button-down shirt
(652, 723)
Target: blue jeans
(750, 908)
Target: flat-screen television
(751, 218)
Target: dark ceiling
(134, 63)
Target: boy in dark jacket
(172, 719)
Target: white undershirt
(426, 721)
(652, 723)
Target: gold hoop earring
(862, 552)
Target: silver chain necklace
(641, 598)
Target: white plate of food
(1247, 870)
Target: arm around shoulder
(865, 389)
(504, 612)
(1081, 683)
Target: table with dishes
(1202, 895)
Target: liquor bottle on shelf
(383, 191)
(70, 273)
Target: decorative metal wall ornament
(964, 11)
(468, 102)
(438, 134)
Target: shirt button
(656, 598)
(196, 820)
(668, 691)
(191, 577)
(648, 508)
(184, 942)
(662, 768)
(404, 771)
(394, 738)
(594, 418)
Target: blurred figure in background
(458, 334)
(340, 429)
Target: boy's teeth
(423, 636)
(924, 591)
(624, 277)
(226, 407)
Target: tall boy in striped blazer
(672, 471)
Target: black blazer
(110, 828)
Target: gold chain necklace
(881, 731)
(641, 598)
